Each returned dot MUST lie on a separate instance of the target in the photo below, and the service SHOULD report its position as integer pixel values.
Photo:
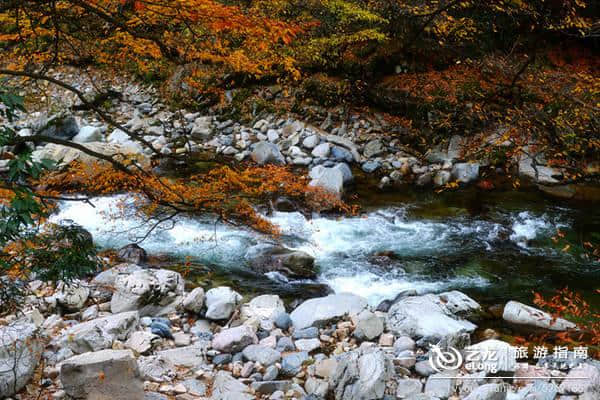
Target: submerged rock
(292, 263)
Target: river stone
(285, 343)
(322, 310)
(270, 258)
(261, 354)
(321, 151)
(234, 339)
(221, 302)
(521, 314)
(306, 333)
(329, 179)
(88, 134)
(226, 387)
(307, 345)
(441, 385)
(292, 363)
(432, 316)
(194, 301)
(283, 321)
(346, 172)
(100, 333)
(441, 178)
(72, 297)
(585, 378)
(20, 352)
(341, 141)
(465, 172)
(408, 387)
(141, 342)
(490, 391)
(151, 292)
(58, 126)
(361, 374)
(105, 374)
(540, 173)
(192, 356)
(267, 153)
(368, 326)
(132, 253)
(65, 154)
(271, 387)
(501, 356)
(156, 368)
(265, 309)
(373, 148)
(311, 141)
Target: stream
(495, 246)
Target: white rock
(156, 369)
(311, 141)
(368, 326)
(142, 341)
(321, 310)
(322, 150)
(20, 352)
(221, 302)
(72, 296)
(494, 355)
(307, 345)
(88, 134)
(234, 339)
(106, 374)
(330, 179)
(194, 301)
(192, 356)
(272, 135)
(521, 314)
(263, 308)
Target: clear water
(495, 246)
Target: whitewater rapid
(343, 248)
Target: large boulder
(20, 352)
(465, 172)
(267, 153)
(221, 302)
(99, 333)
(319, 311)
(531, 167)
(71, 296)
(361, 374)
(132, 253)
(495, 355)
(521, 314)
(65, 154)
(151, 292)
(264, 309)
(58, 126)
(329, 179)
(102, 375)
(431, 315)
(292, 263)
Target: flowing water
(495, 246)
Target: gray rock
(361, 375)
(373, 148)
(263, 309)
(156, 368)
(368, 326)
(585, 378)
(221, 302)
(272, 258)
(226, 387)
(194, 301)
(407, 388)
(322, 310)
(132, 253)
(292, 363)
(321, 151)
(102, 375)
(308, 344)
(306, 333)
(267, 153)
(72, 297)
(310, 141)
(404, 343)
(88, 134)
(142, 341)
(192, 356)
(261, 354)
(434, 316)
(269, 387)
(59, 126)
(316, 387)
(283, 321)
(271, 373)
(423, 368)
(151, 292)
(100, 333)
(235, 339)
(441, 385)
(221, 359)
(341, 141)
(521, 314)
(64, 155)
(465, 172)
(285, 343)
(346, 172)
(529, 167)
(194, 387)
(490, 391)
(272, 135)
(341, 154)
(371, 166)
(329, 179)
(20, 352)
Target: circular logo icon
(448, 360)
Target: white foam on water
(340, 246)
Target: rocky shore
(135, 332)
